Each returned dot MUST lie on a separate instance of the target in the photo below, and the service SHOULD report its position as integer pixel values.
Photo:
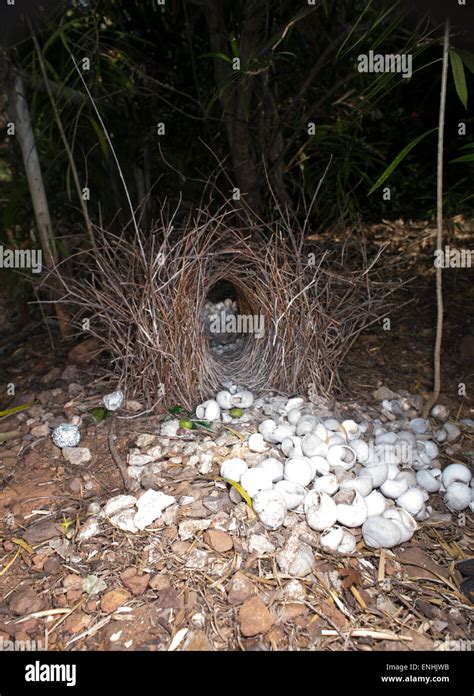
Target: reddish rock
(239, 589)
(42, 532)
(25, 601)
(113, 599)
(254, 617)
(218, 540)
(77, 622)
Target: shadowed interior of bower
(222, 317)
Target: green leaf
(464, 158)
(217, 54)
(234, 45)
(100, 137)
(15, 409)
(401, 156)
(176, 409)
(468, 59)
(99, 414)
(459, 77)
(202, 424)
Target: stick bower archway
(144, 299)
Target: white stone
(124, 520)
(150, 506)
(188, 528)
(77, 455)
(135, 459)
(120, 502)
(170, 428)
(259, 543)
(296, 557)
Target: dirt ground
(205, 576)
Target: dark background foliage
(171, 64)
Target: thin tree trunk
(439, 235)
(67, 147)
(20, 115)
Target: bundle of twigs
(144, 296)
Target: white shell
(429, 479)
(452, 431)
(376, 504)
(379, 473)
(393, 470)
(408, 475)
(363, 484)
(361, 450)
(292, 492)
(312, 446)
(233, 469)
(456, 472)
(256, 443)
(406, 436)
(322, 432)
(393, 488)
(254, 480)
(295, 402)
(338, 539)
(404, 521)
(332, 424)
(352, 514)
(299, 470)
(319, 465)
(331, 538)
(351, 429)
(411, 500)
(270, 507)
(440, 412)
(386, 439)
(291, 446)
(419, 425)
(266, 427)
(441, 435)
(336, 439)
(380, 533)
(242, 399)
(224, 399)
(341, 455)
(209, 410)
(320, 510)
(306, 424)
(431, 448)
(294, 415)
(326, 484)
(280, 433)
(458, 496)
(273, 468)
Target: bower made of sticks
(144, 298)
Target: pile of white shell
(218, 408)
(340, 479)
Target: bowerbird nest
(144, 296)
